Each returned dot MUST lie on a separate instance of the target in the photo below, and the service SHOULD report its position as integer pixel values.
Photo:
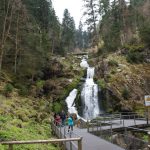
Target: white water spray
(89, 95)
(70, 102)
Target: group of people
(61, 119)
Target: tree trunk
(16, 52)
(5, 33)
(3, 36)
(53, 43)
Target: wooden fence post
(134, 120)
(97, 126)
(111, 131)
(147, 116)
(60, 132)
(87, 125)
(64, 136)
(100, 128)
(10, 147)
(148, 140)
(80, 144)
(70, 141)
(123, 122)
(120, 118)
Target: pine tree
(68, 31)
(79, 36)
(92, 15)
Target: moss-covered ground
(24, 119)
(26, 108)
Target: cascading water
(89, 94)
(70, 101)
(71, 104)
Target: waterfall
(84, 63)
(89, 94)
(70, 102)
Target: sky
(74, 7)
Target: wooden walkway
(92, 142)
(89, 141)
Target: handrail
(138, 129)
(60, 131)
(111, 119)
(39, 141)
(11, 143)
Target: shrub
(134, 53)
(57, 107)
(23, 91)
(134, 48)
(113, 63)
(8, 89)
(135, 57)
(101, 83)
(113, 71)
(145, 34)
(40, 83)
(125, 93)
(48, 86)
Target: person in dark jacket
(63, 117)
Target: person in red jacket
(58, 120)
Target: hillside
(26, 115)
(126, 82)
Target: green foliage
(102, 83)
(134, 53)
(22, 122)
(113, 71)
(40, 83)
(117, 28)
(68, 31)
(145, 138)
(18, 130)
(57, 107)
(23, 91)
(91, 14)
(145, 34)
(8, 89)
(134, 48)
(70, 87)
(135, 57)
(113, 63)
(125, 93)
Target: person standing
(63, 117)
(70, 123)
(58, 120)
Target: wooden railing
(11, 143)
(102, 126)
(108, 119)
(61, 132)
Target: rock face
(129, 83)
(59, 77)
